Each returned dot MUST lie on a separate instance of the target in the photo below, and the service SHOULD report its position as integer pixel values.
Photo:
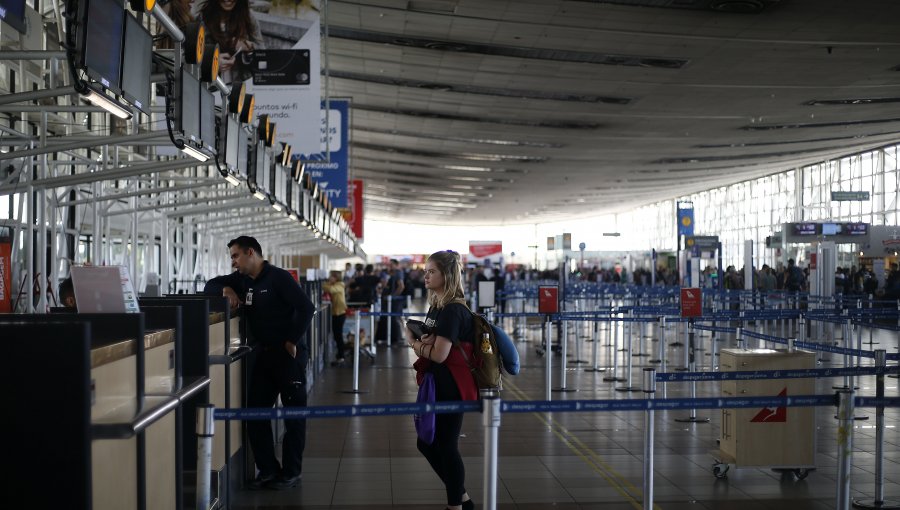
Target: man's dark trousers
(276, 373)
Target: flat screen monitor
(856, 229)
(102, 30)
(231, 149)
(207, 116)
(137, 58)
(261, 169)
(189, 121)
(279, 185)
(806, 229)
(243, 151)
(831, 229)
(98, 289)
(13, 13)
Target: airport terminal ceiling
(474, 112)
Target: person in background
(67, 293)
(335, 288)
(278, 314)
(441, 353)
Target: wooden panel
(160, 455)
(114, 474)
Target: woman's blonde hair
(449, 265)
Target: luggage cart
(784, 438)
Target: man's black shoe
(261, 481)
(284, 482)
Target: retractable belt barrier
(531, 406)
(752, 375)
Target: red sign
(5, 275)
(356, 208)
(812, 260)
(548, 299)
(691, 302)
(482, 249)
(295, 273)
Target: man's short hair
(245, 242)
(369, 268)
(66, 290)
(395, 261)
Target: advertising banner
(5, 272)
(685, 219)
(330, 169)
(481, 250)
(356, 208)
(285, 82)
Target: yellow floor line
(590, 457)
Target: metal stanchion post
(490, 401)
(879, 501)
(356, 351)
(739, 337)
(595, 352)
(389, 320)
(628, 368)
(661, 341)
(578, 334)
(564, 349)
(613, 349)
(649, 389)
(373, 310)
(687, 360)
(548, 354)
(692, 367)
(802, 329)
(205, 430)
(845, 447)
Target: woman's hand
(226, 61)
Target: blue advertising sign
(685, 218)
(331, 173)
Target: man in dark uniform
(278, 314)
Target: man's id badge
(248, 299)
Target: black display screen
(261, 173)
(856, 229)
(831, 229)
(243, 148)
(137, 57)
(13, 13)
(104, 26)
(806, 229)
(207, 116)
(190, 97)
(232, 143)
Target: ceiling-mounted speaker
(194, 42)
(209, 69)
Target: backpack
(493, 350)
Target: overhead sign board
(848, 196)
(702, 243)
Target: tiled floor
(564, 461)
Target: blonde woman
(451, 327)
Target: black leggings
(443, 455)
(337, 331)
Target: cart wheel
(720, 470)
(801, 473)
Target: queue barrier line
(551, 406)
(754, 375)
